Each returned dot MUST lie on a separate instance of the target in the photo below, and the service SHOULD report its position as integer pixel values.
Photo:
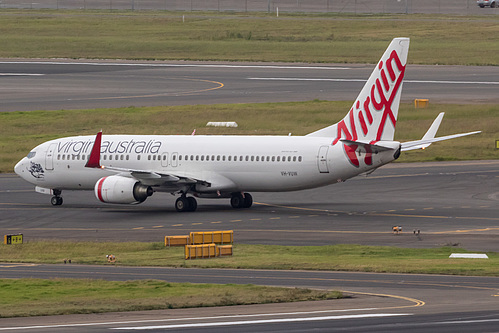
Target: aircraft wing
(146, 177)
(429, 136)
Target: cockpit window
(31, 154)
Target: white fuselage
(228, 163)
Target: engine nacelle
(121, 190)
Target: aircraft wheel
(193, 204)
(182, 204)
(248, 200)
(237, 200)
(56, 201)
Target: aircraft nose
(20, 168)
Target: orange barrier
(208, 237)
(176, 240)
(421, 103)
(224, 250)
(200, 251)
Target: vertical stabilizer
(373, 115)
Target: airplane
(127, 169)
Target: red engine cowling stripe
(99, 189)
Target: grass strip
(245, 36)
(361, 258)
(40, 297)
(22, 131)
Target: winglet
(94, 159)
(430, 138)
(432, 131)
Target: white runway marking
(183, 319)
(362, 80)
(170, 65)
(20, 74)
(264, 321)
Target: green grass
(334, 257)
(245, 37)
(37, 297)
(21, 131)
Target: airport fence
(270, 6)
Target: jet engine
(121, 190)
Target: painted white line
(467, 321)
(170, 65)
(362, 80)
(182, 319)
(20, 74)
(266, 321)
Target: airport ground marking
(185, 93)
(175, 319)
(264, 321)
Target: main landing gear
(56, 200)
(189, 204)
(241, 200)
(186, 204)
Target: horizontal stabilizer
(366, 147)
(429, 136)
(422, 144)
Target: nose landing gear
(56, 200)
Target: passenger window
(299, 158)
(138, 157)
(278, 158)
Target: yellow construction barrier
(224, 250)
(200, 251)
(421, 103)
(218, 237)
(13, 239)
(176, 240)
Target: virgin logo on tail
(374, 107)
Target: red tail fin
(94, 159)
